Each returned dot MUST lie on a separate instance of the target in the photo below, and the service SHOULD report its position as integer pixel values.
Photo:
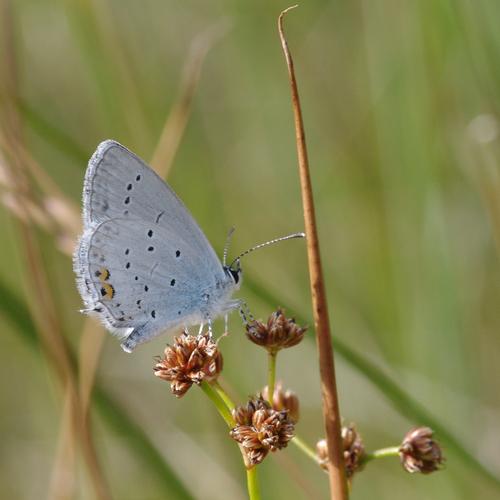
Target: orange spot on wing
(107, 291)
(103, 274)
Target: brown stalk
(56, 349)
(42, 304)
(62, 482)
(331, 415)
(177, 119)
(89, 352)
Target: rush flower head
(190, 360)
(419, 452)
(284, 400)
(278, 333)
(353, 447)
(260, 429)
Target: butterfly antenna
(226, 246)
(267, 243)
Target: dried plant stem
(391, 451)
(175, 124)
(271, 375)
(54, 345)
(91, 342)
(62, 484)
(253, 484)
(338, 485)
(219, 403)
(305, 448)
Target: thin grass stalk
(223, 394)
(57, 351)
(224, 406)
(175, 124)
(218, 402)
(305, 448)
(44, 310)
(253, 484)
(296, 473)
(62, 484)
(390, 451)
(271, 375)
(90, 347)
(331, 414)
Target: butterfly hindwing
(136, 273)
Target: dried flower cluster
(283, 400)
(190, 360)
(260, 429)
(354, 451)
(419, 452)
(278, 333)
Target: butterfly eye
(235, 274)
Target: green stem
(223, 395)
(271, 376)
(305, 448)
(391, 451)
(219, 403)
(253, 484)
(224, 406)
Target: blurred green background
(401, 106)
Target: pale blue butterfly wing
(143, 264)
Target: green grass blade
(15, 311)
(53, 135)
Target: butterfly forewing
(118, 184)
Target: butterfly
(143, 264)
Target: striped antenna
(226, 246)
(267, 243)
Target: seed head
(283, 400)
(190, 360)
(419, 452)
(260, 429)
(278, 333)
(353, 447)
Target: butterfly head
(234, 271)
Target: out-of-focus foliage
(401, 105)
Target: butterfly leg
(209, 328)
(245, 313)
(200, 331)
